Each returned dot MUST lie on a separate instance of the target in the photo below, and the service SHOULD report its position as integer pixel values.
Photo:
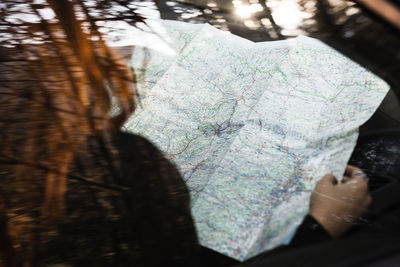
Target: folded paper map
(251, 126)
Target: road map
(251, 126)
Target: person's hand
(336, 206)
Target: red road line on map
(287, 151)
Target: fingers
(352, 171)
(345, 179)
(355, 190)
(356, 183)
(328, 179)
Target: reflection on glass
(252, 24)
(261, 20)
(288, 15)
(245, 10)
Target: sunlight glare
(288, 15)
(245, 10)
